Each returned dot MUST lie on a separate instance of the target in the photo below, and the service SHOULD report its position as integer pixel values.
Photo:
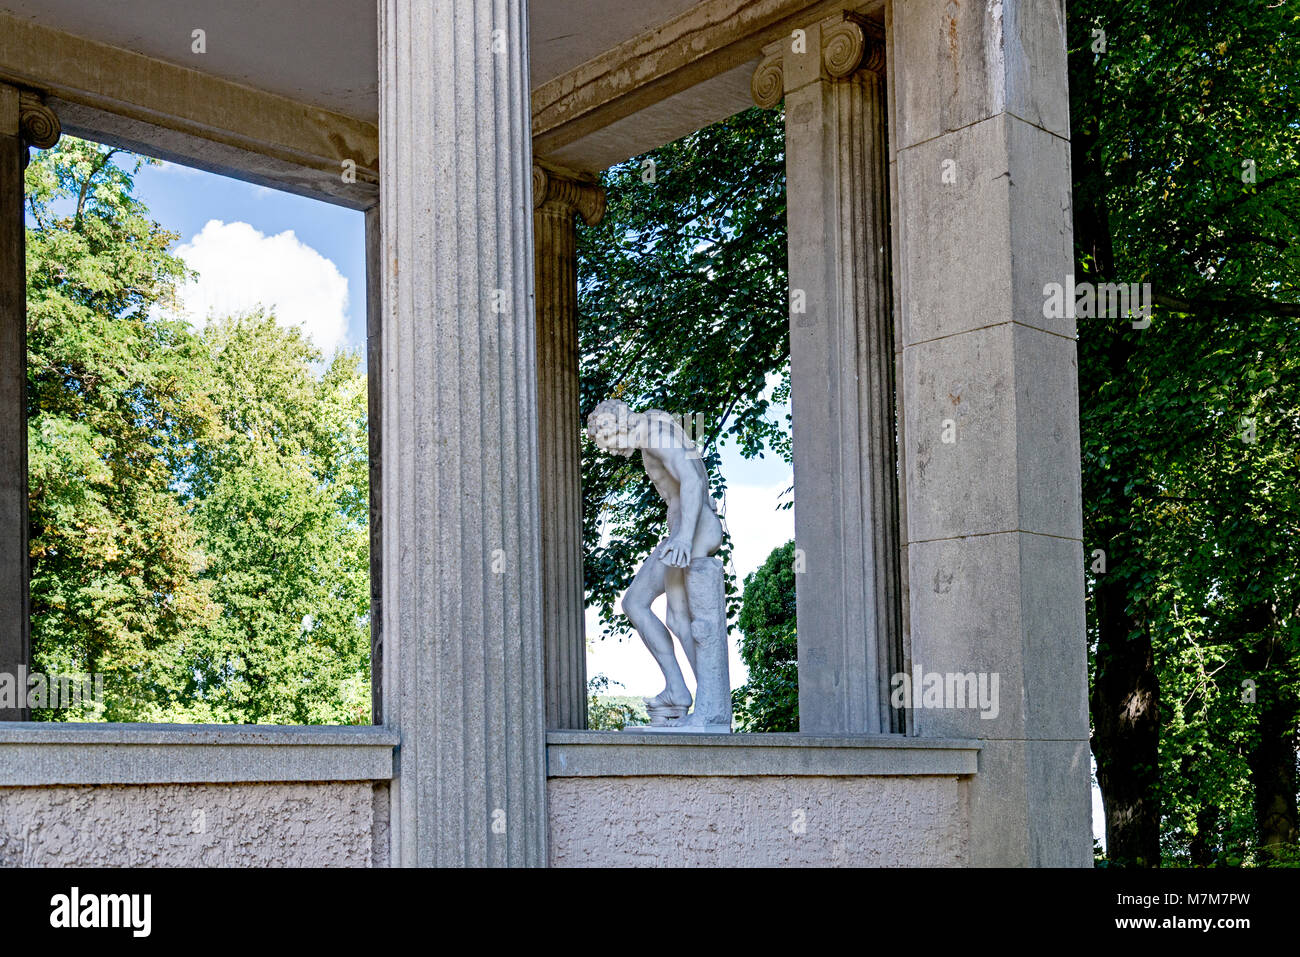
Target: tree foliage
(1186, 162)
(197, 498)
(610, 712)
(769, 700)
(114, 410)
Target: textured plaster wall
(757, 821)
(262, 825)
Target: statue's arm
(692, 488)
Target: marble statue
(683, 566)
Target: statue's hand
(676, 554)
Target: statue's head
(615, 428)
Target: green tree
(1185, 156)
(114, 412)
(198, 500)
(769, 700)
(607, 712)
(281, 508)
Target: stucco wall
(299, 824)
(761, 821)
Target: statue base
(679, 729)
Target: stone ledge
(628, 754)
(38, 754)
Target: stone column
(374, 418)
(841, 371)
(980, 130)
(24, 121)
(557, 199)
(461, 571)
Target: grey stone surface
(558, 200)
(1011, 395)
(199, 118)
(1001, 817)
(1054, 627)
(189, 825)
(1047, 434)
(1010, 604)
(960, 460)
(1057, 779)
(758, 822)
(994, 517)
(633, 78)
(965, 62)
(966, 618)
(706, 594)
(463, 655)
(1042, 221)
(14, 630)
(678, 74)
(1030, 805)
(381, 834)
(35, 754)
(842, 367)
(634, 753)
(988, 211)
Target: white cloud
(756, 525)
(241, 268)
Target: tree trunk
(1126, 729)
(1202, 847)
(1273, 758)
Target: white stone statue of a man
(682, 566)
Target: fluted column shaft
(24, 121)
(841, 371)
(461, 595)
(558, 200)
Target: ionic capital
(37, 124)
(557, 190)
(845, 44)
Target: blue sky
(184, 200)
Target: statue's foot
(669, 699)
(667, 708)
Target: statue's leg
(679, 612)
(645, 588)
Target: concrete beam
(683, 75)
(626, 753)
(186, 116)
(695, 47)
(40, 754)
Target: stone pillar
(841, 371)
(461, 583)
(24, 121)
(374, 418)
(557, 199)
(980, 132)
